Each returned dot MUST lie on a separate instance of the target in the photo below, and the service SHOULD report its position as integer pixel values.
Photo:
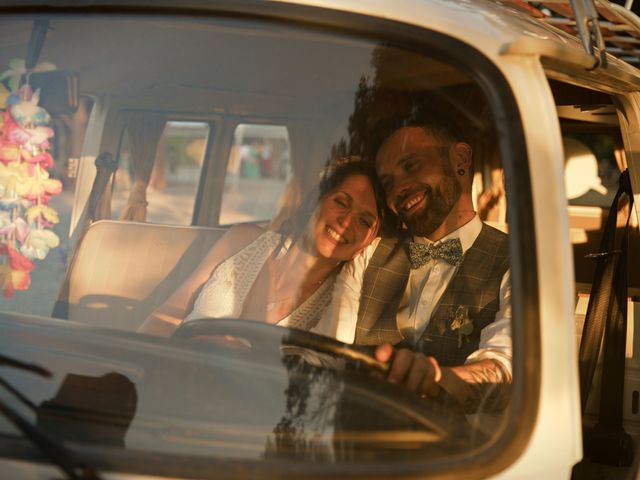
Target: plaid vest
(475, 285)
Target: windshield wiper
(55, 451)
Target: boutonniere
(462, 324)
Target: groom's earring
(460, 172)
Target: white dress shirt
(420, 299)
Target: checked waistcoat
(475, 285)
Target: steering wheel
(270, 343)
(265, 337)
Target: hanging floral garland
(25, 188)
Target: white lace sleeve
(340, 318)
(223, 295)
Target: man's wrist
(444, 392)
(452, 384)
(484, 384)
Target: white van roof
(513, 27)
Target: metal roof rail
(589, 32)
(601, 26)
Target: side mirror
(58, 90)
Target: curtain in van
(144, 131)
(291, 198)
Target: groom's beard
(439, 202)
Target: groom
(436, 298)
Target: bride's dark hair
(332, 176)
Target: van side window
(591, 170)
(173, 183)
(594, 157)
(258, 170)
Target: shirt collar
(467, 234)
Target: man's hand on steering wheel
(415, 370)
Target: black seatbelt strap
(607, 442)
(106, 167)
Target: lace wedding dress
(224, 294)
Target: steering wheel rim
(447, 418)
(257, 332)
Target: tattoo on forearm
(487, 386)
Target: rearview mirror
(58, 90)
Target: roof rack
(602, 27)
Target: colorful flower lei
(25, 188)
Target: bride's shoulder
(234, 239)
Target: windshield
(209, 227)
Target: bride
(283, 277)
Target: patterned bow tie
(450, 251)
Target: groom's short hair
(441, 126)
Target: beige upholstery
(124, 270)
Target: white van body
(528, 53)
